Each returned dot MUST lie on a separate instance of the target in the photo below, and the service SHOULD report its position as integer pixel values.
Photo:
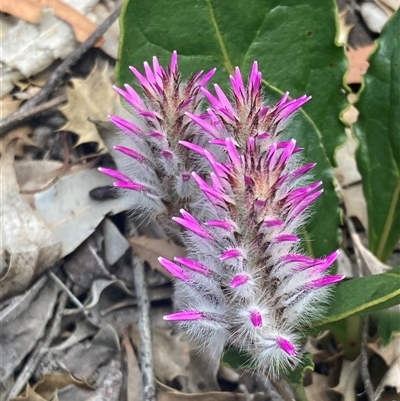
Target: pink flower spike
(194, 265)
(256, 319)
(230, 254)
(113, 174)
(286, 346)
(286, 238)
(125, 125)
(226, 225)
(173, 67)
(239, 280)
(174, 269)
(130, 153)
(130, 185)
(204, 81)
(327, 280)
(203, 124)
(185, 315)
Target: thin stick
(366, 378)
(18, 116)
(282, 391)
(73, 298)
(41, 347)
(146, 353)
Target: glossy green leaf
(378, 133)
(363, 296)
(237, 359)
(388, 323)
(296, 377)
(294, 44)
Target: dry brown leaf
(29, 395)
(170, 353)
(28, 246)
(150, 249)
(91, 98)
(56, 381)
(23, 320)
(30, 11)
(166, 393)
(319, 389)
(134, 383)
(348, 378)
(358, 64)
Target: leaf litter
(51, 223)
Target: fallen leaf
(374, 17)
(57, 381)
(319, 389)
(91, 98)
(170, 353)
(23, 320)
(348, 379)
(134, 385)
(115, 244)
(30, 11)
(72, 216)
(373, 264)
(166, 393)
(29, 395)
(28, 246)
(150, 249)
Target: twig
(364, 362)
(41, 347)
(73, 298)
(18, 116)
(282, 391)
(146, 353)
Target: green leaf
(388, 323)
(297, 375)
(238, 359)
(294, 44)
(378, 133)
(363, 296)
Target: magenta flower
(154, 170)
(244, 282)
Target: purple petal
(286, 238)
(130, 185)
(226, 225)
(224, 102)
(196, 148)
(130, 153)
(114, 174)
(286, 346)
(233, 154)
(204, 81)
(125, 125)
(185, 315)
(321, 282)
(194, 265)
(256, 318)
(305, 203)
(142, 80)
(211, 98)
(239, 280)
(230, 254)
(300, 193)
(173, 67)
(174, 269)
(203, 124)
(272, 223)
